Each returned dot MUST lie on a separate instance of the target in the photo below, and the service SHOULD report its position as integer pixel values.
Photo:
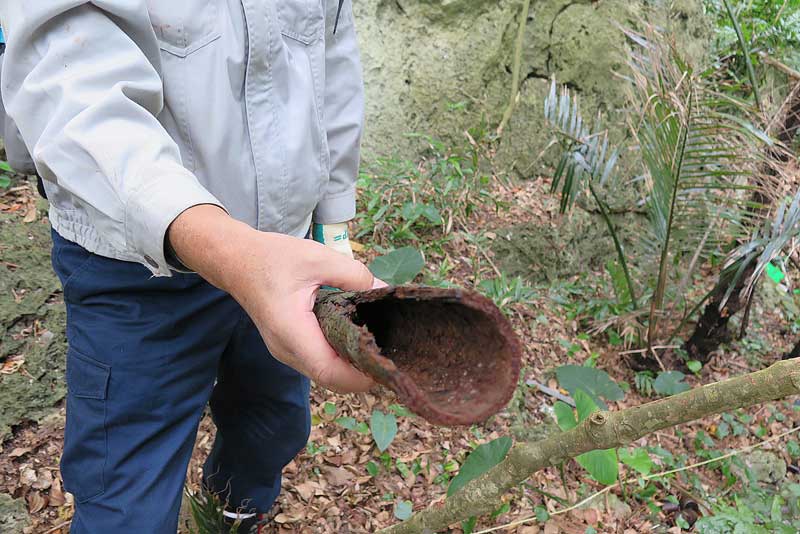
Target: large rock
(441, 66)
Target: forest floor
(327, 488)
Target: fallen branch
(604, 430)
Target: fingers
(316, 359)
(345, 273)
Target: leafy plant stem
(658, 298)
(751, 73)
(617, 245)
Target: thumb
(344, 273)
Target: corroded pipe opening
(449, 354)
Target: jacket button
(151, 261)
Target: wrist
(212, 243)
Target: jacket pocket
(301, 20)
(85, 438)
(184, 27)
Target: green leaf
(601, 465)
(432, 214)
(399, 266)
(670, 383)
(329, 408)
(468, 525)
(638, 460)
(694, 366)
(793, 448)
(542, 515)
(348, 423)
(619, 282)
(483, 458)
(4, 166)
(372, 468)
(5, 181)
(585, 405)
(384, 429)
(403, 510)
(594, 382)
(565, 417)
(362, 428)
(400, 411)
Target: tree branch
(604, 430)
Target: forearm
(210, 242)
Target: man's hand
(275, 278)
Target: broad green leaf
(399, 266)
(670, 383)
(638, 460)
(384, 429)
(594, 382)
(403, 510)
(585, 405)
(4, 166)
(601, 465)
(329, 408)
(5, 181)
(565, 417)
(483, 458)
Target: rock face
(442, 66)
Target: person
(187, 148)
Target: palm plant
(699, 154)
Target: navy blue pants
(146, 355)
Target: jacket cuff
(152, 208)
(337, 208)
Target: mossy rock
(32, 325)
(576, 244)
(13, 514)
(441, 67)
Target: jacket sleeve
(81, 81)
(344, 115)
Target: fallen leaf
(12, 365)
(27, 476)
(338, 476)
(30, 215)
(36, 502)
(43, 480)
(287, 518)
(56, 493)
(19, 451)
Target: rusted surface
(449, 354)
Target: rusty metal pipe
(450, 355)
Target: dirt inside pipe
(454, 353)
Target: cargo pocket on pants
(84, 458)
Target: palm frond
(774, 239)
(699, 160)
(586, 155)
